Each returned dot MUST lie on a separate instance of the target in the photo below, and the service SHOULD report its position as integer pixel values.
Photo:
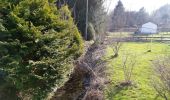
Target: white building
(148, 28)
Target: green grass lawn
(142, 73)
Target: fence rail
(160, 38)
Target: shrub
(116, 48)
(91, 32)
(161, 79)
(128, 64)
(38, 44)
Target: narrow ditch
(88, 80)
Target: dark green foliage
(142, 16)
(118, 17)
(38, 43)
(91, 32)
(96, 14)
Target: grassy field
(142, 73)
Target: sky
(135, 5)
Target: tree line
(120, 18)
(96, 16)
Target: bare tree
(161, 79)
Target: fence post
(161, 37)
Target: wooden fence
(160, 38)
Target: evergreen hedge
(38, 44)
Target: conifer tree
(38, 44)
(118, 17)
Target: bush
(161, 79)
(38, 44)
(128, 65)
(91, 32)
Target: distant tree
(131, 17)
(118, 16)
(162, 15)
(165, 18)
(142, 16)
(121, 18)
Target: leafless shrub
(128, 64)
(117, 44)
(116, 48)
(161, 78)
(94, 95)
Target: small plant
(161, 78)
(148, 48)
(128, 64)
(116, 48)
(117, 45)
